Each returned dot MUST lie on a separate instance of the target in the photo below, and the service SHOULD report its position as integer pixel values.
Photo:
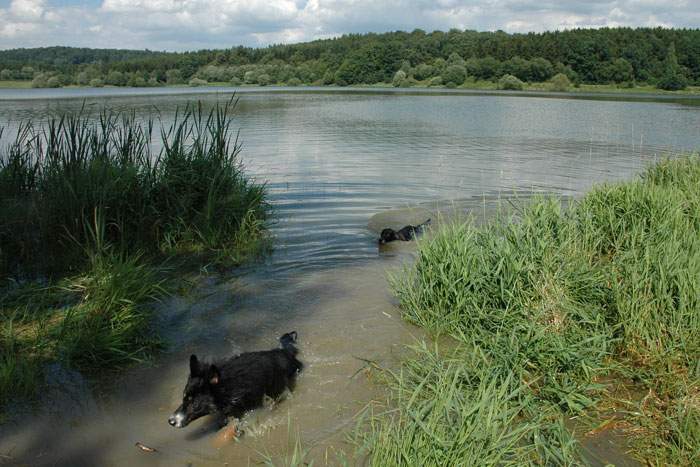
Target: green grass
(548, 303)
(454, 410)
(15, 84)
(91, 215)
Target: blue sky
(194, 24)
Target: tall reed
(189, 195)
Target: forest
(625, 57)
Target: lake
(339, 165)
(333, 159)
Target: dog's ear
(194, 365)
(214, 375)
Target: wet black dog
(233, 386)
(405, 234)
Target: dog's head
(198, 397)
(388, 235)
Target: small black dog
(233, 386)
(405, 234)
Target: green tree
(174, 76)
(40, 81)
(455, 74)
(264, 79)
(27, 72)
(6, 75)
(673, 78)
(423, 72)
(541, 70)
(116, 78)
(483, 68)
(250, 77)
(619, 71)
(82, 79)
(455, 59)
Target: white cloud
(191, 24)
(30, 10)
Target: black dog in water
(405, 234)
(240, 383)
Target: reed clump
(189, 195)
(91, 207)
(547, 304)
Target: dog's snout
(171, 420)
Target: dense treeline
(668, 58)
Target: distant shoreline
(478, 88)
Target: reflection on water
(332, 163)
(332, 160)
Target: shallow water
(339, 167)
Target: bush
(399, 79)
(264, 79)
(53, 82)
(40, 81)
(116, 78)
(250, 77)
(672, 81)
(455, 74)
(510, 82)
(560, 83)
(174, 77)
(294, 82)
(435, 81)
(197, 82)
(96, 83)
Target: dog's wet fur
(233, 386)
(404, 234)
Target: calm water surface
(332, 161)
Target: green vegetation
(510, 83)
(89, 211)
(559, 83)
(667, 58)
(556, 312)
(673, 78)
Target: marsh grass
(452, 409)
(191, 195)
(91, 215)
(547, 301)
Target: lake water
(339, 165)
(331, 160)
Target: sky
(195, 24)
